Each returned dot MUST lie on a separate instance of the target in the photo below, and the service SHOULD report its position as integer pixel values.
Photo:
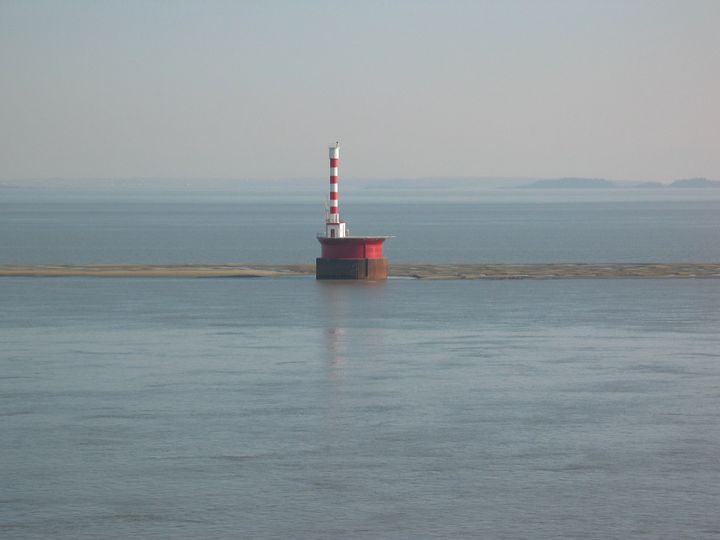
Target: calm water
(288, 408)
(268, 224)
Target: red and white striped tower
(334, 227)
(344, 256)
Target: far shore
(416, 271)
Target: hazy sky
(619, 89)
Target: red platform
(353, 247)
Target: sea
(287, 408)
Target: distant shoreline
(602, 183)
(416, 271)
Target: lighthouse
(344, 256)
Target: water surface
(289, 408)
(272, 225)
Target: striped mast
(335, 228)
(334, 160)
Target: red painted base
(352, 247)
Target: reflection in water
(351, 300)
(336, 349)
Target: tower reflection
(352, 312)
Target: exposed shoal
(417, 271)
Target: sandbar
(417, 271)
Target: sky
(256, 90)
